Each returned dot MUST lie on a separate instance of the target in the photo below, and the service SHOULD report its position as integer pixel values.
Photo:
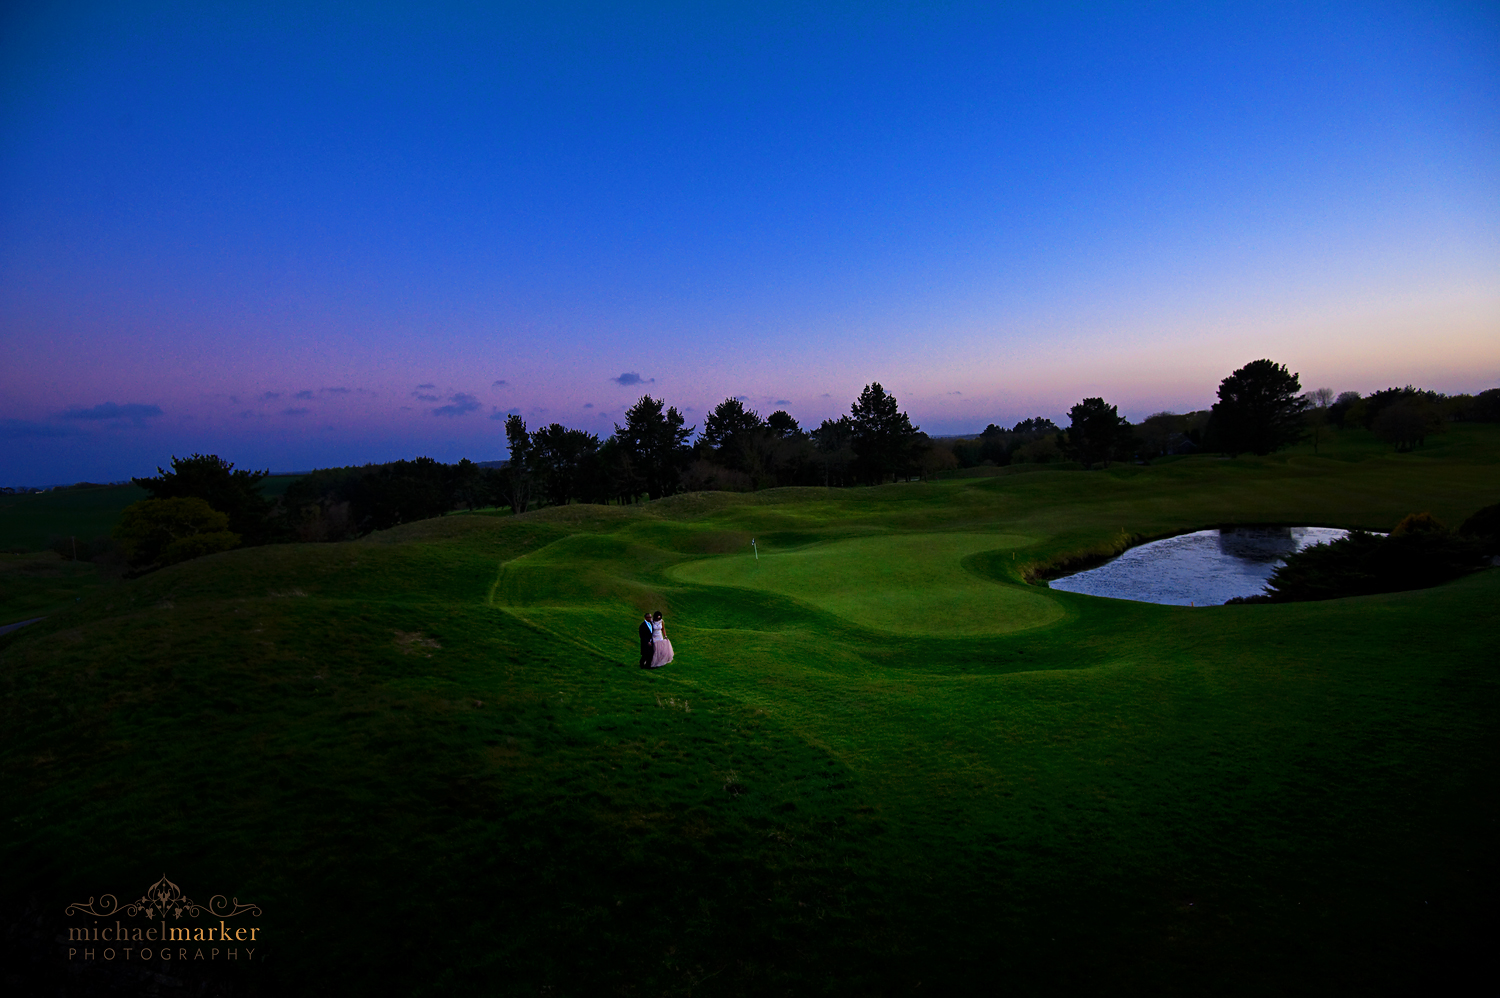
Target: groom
(646, 648)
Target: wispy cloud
(427, 388)
(268, 396)
(136, 412)
(424, 397)
(500, 384)
(335, 391)
(632, 378)
(295, 412)
(459, 405)
(825, 395)
(782, 402)
(306, 393)
(588, 405)
(955, 393)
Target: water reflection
(1258, 546)
(1203, 568)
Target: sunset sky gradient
(321, 234)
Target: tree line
(203, 504)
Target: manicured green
(882, 763)
(909, 584)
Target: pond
(1203, 568)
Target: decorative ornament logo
(162, 899)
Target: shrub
(1419, 553)
(166, 531)
(1483, 528)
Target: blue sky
(418, 219)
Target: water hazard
(1203, 568)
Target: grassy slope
(36, 584)
(909, 584)
(33, 581)
(435, 733)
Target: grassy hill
(882, 763)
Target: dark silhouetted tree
(654, 443)
(729, 433)
(1407, 422)
(566, 462)
(1316, 412)
(1158, 432)
(1487, 406)
(209, 477)
(1404, 416)
(1097, 433)
(1259, 410)
(833, 447)
(883, 434)
(1347, 410)
(520, 470)
(470, 489)
(784, 426)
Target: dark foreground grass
(428, 755)
(38, 583)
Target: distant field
(30, 522)
(882, 763)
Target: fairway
(914, 584)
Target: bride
(661, 648)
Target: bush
(1483, 528)
(1486, 408)
(214, 481)
(167, 531)
(1419, 553)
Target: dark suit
(646, 648)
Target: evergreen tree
(729, 432)
(1259, 410)
(1097, 433)
(832, 443)
(209, 477)
(654, 445)
(565, 462)
(882, 437)
(784, 426)
(519, 470)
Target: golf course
(887, 759)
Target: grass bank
(882, 764)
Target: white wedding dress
(661, 648)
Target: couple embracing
(656, 650)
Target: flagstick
(757, 550)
